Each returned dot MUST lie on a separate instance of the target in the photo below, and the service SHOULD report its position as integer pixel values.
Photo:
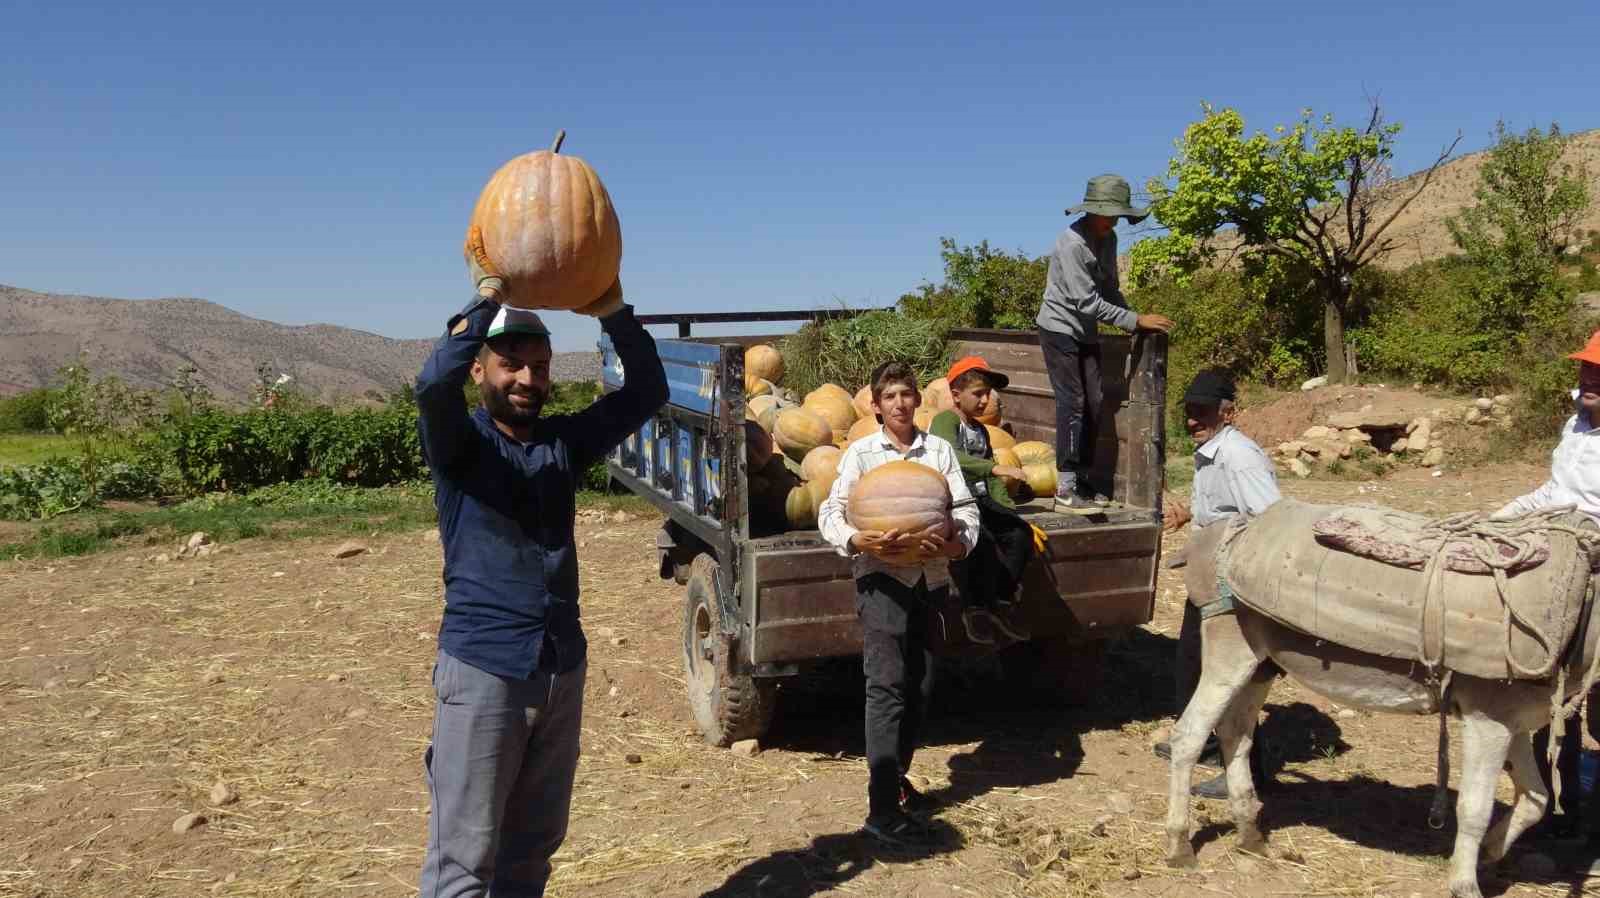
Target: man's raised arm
(442, 420)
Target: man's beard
(501, 409)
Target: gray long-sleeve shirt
(1083, 287)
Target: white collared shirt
(1574, 474)
(871, 451)
(1231, 476)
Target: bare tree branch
(1427, 178)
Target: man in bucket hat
(1083, 290)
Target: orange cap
(977, 363)
(1589, 353)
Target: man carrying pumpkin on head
(899, 573)
(1082, 291)
(512, 656)
(989, 578)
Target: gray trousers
(499, 770)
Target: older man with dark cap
(1082, 291)
(1232, 476)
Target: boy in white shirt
(1574, 480)
(892, 592)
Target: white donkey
(1239, 651)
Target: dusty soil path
(129, 689)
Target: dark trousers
(994, 569)
(899, 674)
(1075, 377)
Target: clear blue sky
(316, 162)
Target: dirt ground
(130, 689)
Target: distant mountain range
(146, 342)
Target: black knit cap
(1209, 388)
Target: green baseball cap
(1108, 195)
(511, 320)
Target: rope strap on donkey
(1485, 537)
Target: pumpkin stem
(561, 135)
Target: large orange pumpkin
(923, 417)
(764, 362)
(1041, 478)
(863, 402)
(1006, 457)
(801, 508)
(757, 409)
(900, 495)
(549, 228)
(999, 439)
(798, 431)
(1034, 452)
(819, 462)
(936, 395)
(839, 413)
(862, 428)
(757, 386)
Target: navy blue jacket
(506, 508)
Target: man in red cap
(989, 577)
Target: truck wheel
(1061, 672)
(727, 705)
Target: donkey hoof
(1183, 860)
(1253, 843)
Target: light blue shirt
(1231, 476)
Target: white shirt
(871, 451)
(1231, 476)
(1574, 474)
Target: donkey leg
(1485, 743)
(1531, 801)
(1226, 666)
(1236, 731)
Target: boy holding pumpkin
(898, 574)
(988, 579)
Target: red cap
(976, 363)
(1589, 353)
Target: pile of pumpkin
(793, 447)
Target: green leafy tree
(1312, 194)
(983, 287)
(1529, 203)
(1530, 198)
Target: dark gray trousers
(1074, 370)
(899, 674)
(499, 771)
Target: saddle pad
(1276, 565)
(1401, 539)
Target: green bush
(982, 287)
(1428, 325)
(845, 351)
(366, 447)
(43, 490)
(216, 450)
(26, 412)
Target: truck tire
(728, 705)
(1058, 672)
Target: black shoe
(898, 829)
(1075, 503)
(914, 802)
(980, 626)
(1210, 756)
(1214, 788)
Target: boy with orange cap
(1574, 480)
(989, 577)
